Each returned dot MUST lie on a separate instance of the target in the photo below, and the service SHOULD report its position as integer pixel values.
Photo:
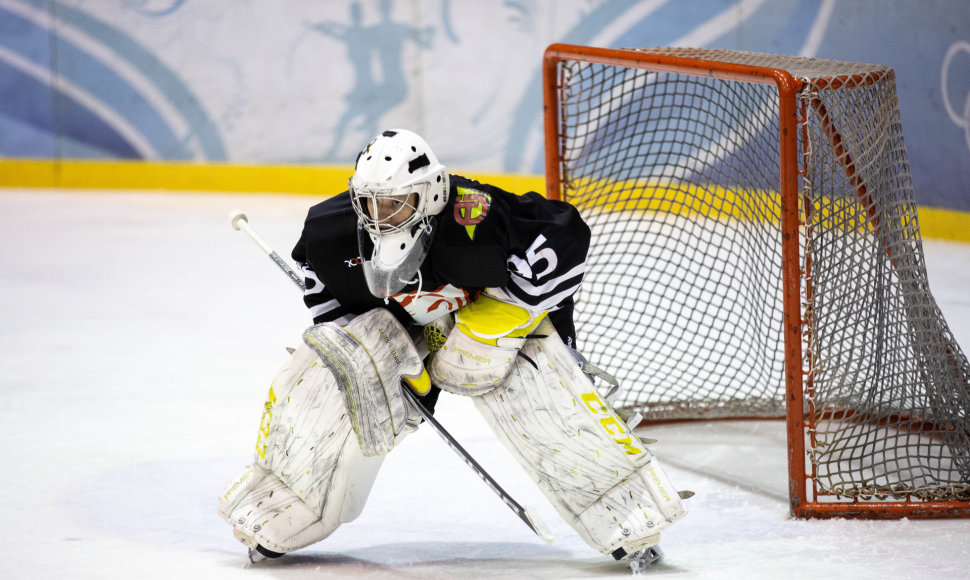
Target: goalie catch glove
(479, 352)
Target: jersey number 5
(534, 255)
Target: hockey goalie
(417, 279)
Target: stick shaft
(290, 272)
(470, 462)
(529, 518)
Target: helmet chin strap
(420, 280)
(417, 293)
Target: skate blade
(255, 557)
(642, 560)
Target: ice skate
(642, 560)
(259, 553)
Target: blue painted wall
(308, 81)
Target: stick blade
(538, 526)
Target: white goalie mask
(397, 188)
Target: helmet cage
(362, 195)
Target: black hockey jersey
(531, 247)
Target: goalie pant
(311, 473)
(597, 473)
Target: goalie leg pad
(369, 357)
(266, 512)
(596, 472)
(309, 475)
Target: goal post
(756, 254)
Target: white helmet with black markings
(397, 188)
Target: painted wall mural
(309, 81)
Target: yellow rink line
(686, 199)
(317, 180)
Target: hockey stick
(238, 221)
(525, 513)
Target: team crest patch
(471, 207)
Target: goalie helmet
(397, 188)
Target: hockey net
(756, 253)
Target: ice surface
(138, 336)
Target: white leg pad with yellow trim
(309, 474)
(597, 474)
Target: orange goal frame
(793, 113)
